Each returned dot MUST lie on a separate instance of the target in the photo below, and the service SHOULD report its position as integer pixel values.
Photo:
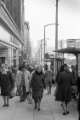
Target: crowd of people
(24, 82)
(30, 84)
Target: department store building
(11, 31)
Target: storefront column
(10, 56)
(17, 57)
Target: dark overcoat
(5, 84)
(64, 82)
(78, 86)
(37, 85)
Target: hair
(62, 67)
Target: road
(50, 110)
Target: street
(50, 110)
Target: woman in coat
(48, 80)
(5, 86)
(37, 85)
(63, 93)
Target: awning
(71, 50)
(4, 44)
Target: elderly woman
(63, 93)
(5, 85)
(37, 85)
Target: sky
(42, 12)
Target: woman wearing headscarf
(63, 93)
(37, 85)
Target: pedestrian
(48, 79)
(9, 72)
(78, 86)
(5, 85)
(18, 81)
(63, 92)
(25, 83)
(37, 85)
(14, 74)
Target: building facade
(11, 31)
(27, 43)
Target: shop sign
(71, 43)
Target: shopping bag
(55, 90)
(29, 98)
(19, 91)
(13, 92)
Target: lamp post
(56, 26)
(56, 38)
(41, 50)
(56, 34)
(45, 37)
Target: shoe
(6, 105)
(10, 97)
(21, 100)
(38, 109)
(67, 112)
(64, 113)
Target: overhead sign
(71, 43)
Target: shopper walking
(9, 72)
(18, 81)
(48, 80)
(5, 86)
(63, 93)
(37, 85)
(25, 83)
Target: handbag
(55, 90)
(13, 92)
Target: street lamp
(44, 36)
(56, 38)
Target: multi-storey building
(27, 42)
(11, 30)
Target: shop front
(9, 48)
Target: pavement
(50, 110)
